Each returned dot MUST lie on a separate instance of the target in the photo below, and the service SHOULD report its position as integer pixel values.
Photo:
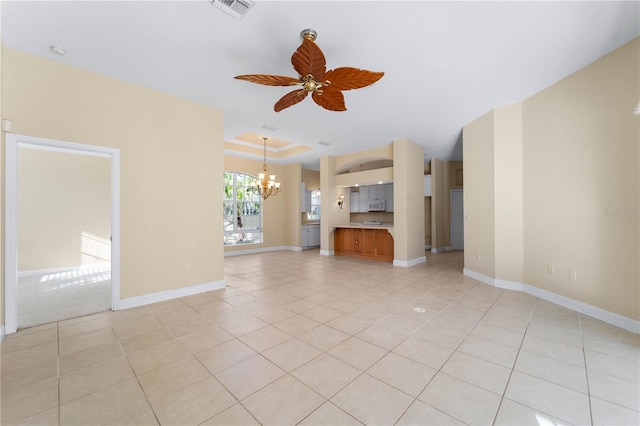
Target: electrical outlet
(187, 266)
(550, 269)
(573, 275)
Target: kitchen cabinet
(376, 192)
(364, 199)
(305, 199)
(314, 235)
(427, 185)
(388, 195)
(354, 202)
(376, 244)
(359, 201)
(310, 236)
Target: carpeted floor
(63, 295)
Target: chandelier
(266, 184)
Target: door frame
(12, 143)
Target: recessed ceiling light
(269, 127)
(58, 50)
(380, 182)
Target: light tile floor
(298, 338)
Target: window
(242, 210)
(314, 212)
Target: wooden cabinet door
(384, 244)
(369, 242)
(357, 240)
(338, 237)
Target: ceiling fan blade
(331, 99)
(269, 80)
(309, 59)
(289, 99)
(347, 78)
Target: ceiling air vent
(235, 8)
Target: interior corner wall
(64, 209)
(171, 164)
(273, 219)
(438, 204)
(311, 178)
(479, 196)
(508, 197)
(581, 190)
(292, 217)
(330, 214)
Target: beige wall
(64, 209)
(311, 178)
(479, 196)
(273, 214)
(171, 163)
(293, 204)
(576, 154)
(438, 195)
(508, 204)
(408, 200)
(580, 152)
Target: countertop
(367, 225)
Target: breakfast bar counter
(370, 240)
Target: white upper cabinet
(354, 202)
(305, 198)
(388, 195)
(364, 199)
(427, 185)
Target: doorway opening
(62, 215)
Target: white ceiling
(445, 63)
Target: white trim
(260, 250)
(609, 317)
(162, 296)
(11, 235)
(12, 142)
(1, 333)
(327, 253)
(440, 249)
(409, 263)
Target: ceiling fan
(325, 86)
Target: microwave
(377, 206)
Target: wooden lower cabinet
(368, 243)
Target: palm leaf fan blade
(269, 80)
(347, 78)
(330, 98)
(289, 99)
(309, 59)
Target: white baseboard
(327, 253)
(609, 317)
(261, 250)
(161, 296)
(409, 263)
(440, 249)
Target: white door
(457, 219)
